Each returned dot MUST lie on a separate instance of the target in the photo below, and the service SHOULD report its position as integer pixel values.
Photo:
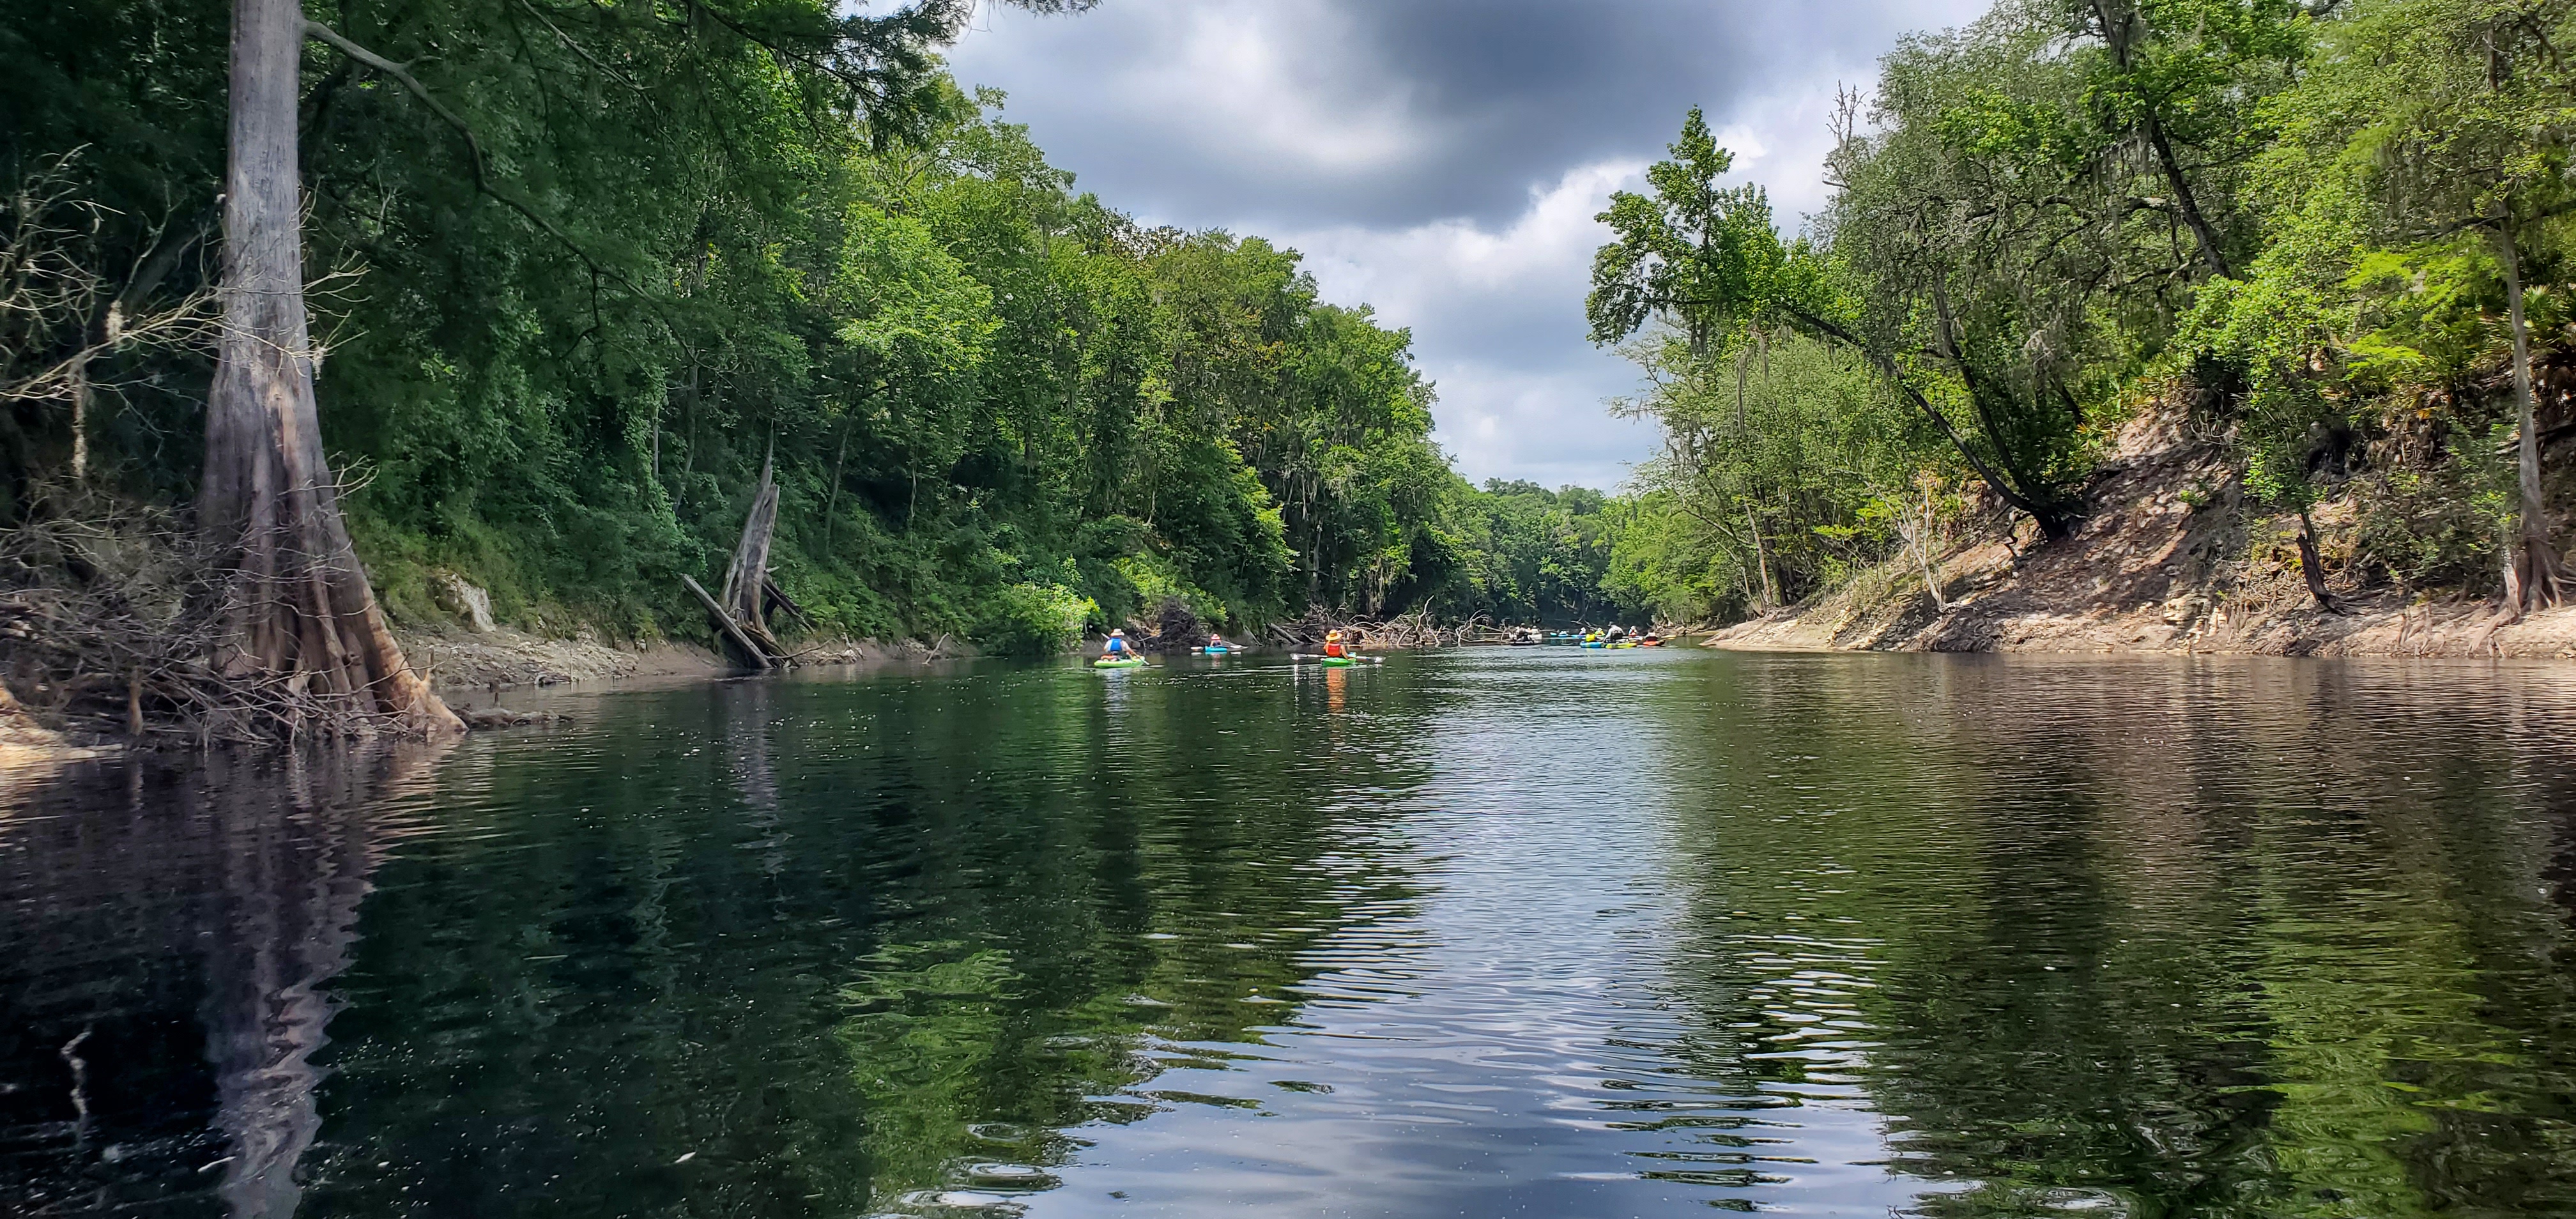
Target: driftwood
(747, 577)
(480, 718)
(732, 630)
(739, 613)
(1417, 629)
(776, 598)
(750, 567)
(111, 621)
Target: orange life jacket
(1333, 649)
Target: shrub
(1033, 620)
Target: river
(1491, 932)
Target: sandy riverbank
(2174, 559)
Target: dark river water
(1533, 932)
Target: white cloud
(1402, 268)
(1236, 81)
(1231, 84)
(1780, 140)
(1442, 159)
(1526, 408)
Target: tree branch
(473, 146)
(578, 50)
(1896, 376)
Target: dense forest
(583, 279)
(585, 286)
(2329, 237)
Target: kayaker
(1116, 648)
(1216, 642)
(1333, 645)
(1614, 634)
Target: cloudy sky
(1441, 159)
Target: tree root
(110, 624)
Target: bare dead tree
(58, 317)
(1918, 525)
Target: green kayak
(1106, 663)
(1336, 661)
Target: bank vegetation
(324, 324)
(2319, 250)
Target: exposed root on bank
(111, 617)
(2176, 558)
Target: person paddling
(1217, 643)
(1333, 645)
(1116, 648)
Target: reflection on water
(170, 942)
(1483, 933)
(2210, 939)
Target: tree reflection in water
(1457, 934)
(152, 905)
(2225, 939)
(837, 947)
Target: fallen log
(732, 630)
(777, 598)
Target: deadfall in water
(1481, 932)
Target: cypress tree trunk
(296, 600)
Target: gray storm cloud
(1440, 159)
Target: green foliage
(1027, 619)
(1694, 251)
(2294, 216)
(1778, 456)
(2436, 526)
(1675, 566)
(1531, 555)
(1987, 228)
(561, 353)
(2425, 138)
